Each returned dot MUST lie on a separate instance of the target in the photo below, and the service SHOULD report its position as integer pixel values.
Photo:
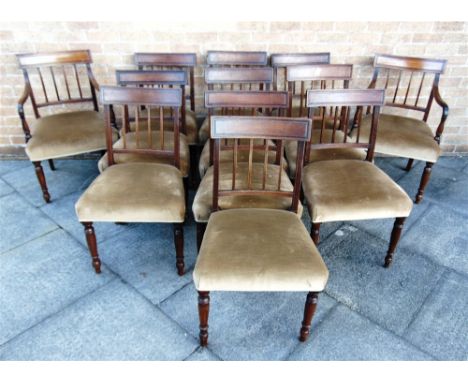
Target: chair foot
(203, 312)
(179, 246)
(409, 164)
(315, 233)
(424, 180)
(309, 310)
(201, 227)
(92, 245)
(394, 238)
(42, 181)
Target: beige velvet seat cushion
(190, 125)
(138, 157)
(242, 156)
(258, 250)
(65, 134)
(204, 132)
(403, 137)
(134, 192)
(345, 189)
(290, 149)
(203, 202)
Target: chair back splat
(301, 78)
(171, 61)
(280, 61)
(233, 58)
(143, 141)
(334, 108)
(258, 128)
(408, 81)
(62, 78)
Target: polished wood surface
(236, 58)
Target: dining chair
(157, 116)
(257, 249)
(64, 79)
(280, 61)
(238, 103)
(412, 85)
(221, 78)
(176, 61)
(142, 192)
(351, 189)
(236, 58)
(301, 78)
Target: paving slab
(113, 323)
(203, 354)
(70, 176)
(42, 277)
(442, 236)
(389, 297)
(145, 258)
(346, 335)
(247, 326)
(441, 327)
(5, 189)
(7, 166)
(21, 222)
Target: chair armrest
(20, 108)
(93, 80)
(445, 111)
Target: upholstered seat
(190, 124)
(138, 157)
(65, 134)
(403, 137)
(204, 132)
(255, 249)
(202, 204)
(134, 192)
(290, 148)
(352, 190)
(242, 156)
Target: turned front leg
(395, 237)
(203, 312)
(309, 311)
(424, 181)
(92, 245)
(42, 181)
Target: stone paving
(54, 307)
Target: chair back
(131, 99)
(280, 61)
(301, 78)
(171, 61)
(156, 78)
(259, 78)
(234, 58)
(409, 81)
(340, 104)
(251, 129)
(62, 77)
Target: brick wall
(112, 45)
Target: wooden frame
(322, 75)
(184, 61)
(126, 97)
(236, 58)
(40, 62)
(413, 65)
(280, 61)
